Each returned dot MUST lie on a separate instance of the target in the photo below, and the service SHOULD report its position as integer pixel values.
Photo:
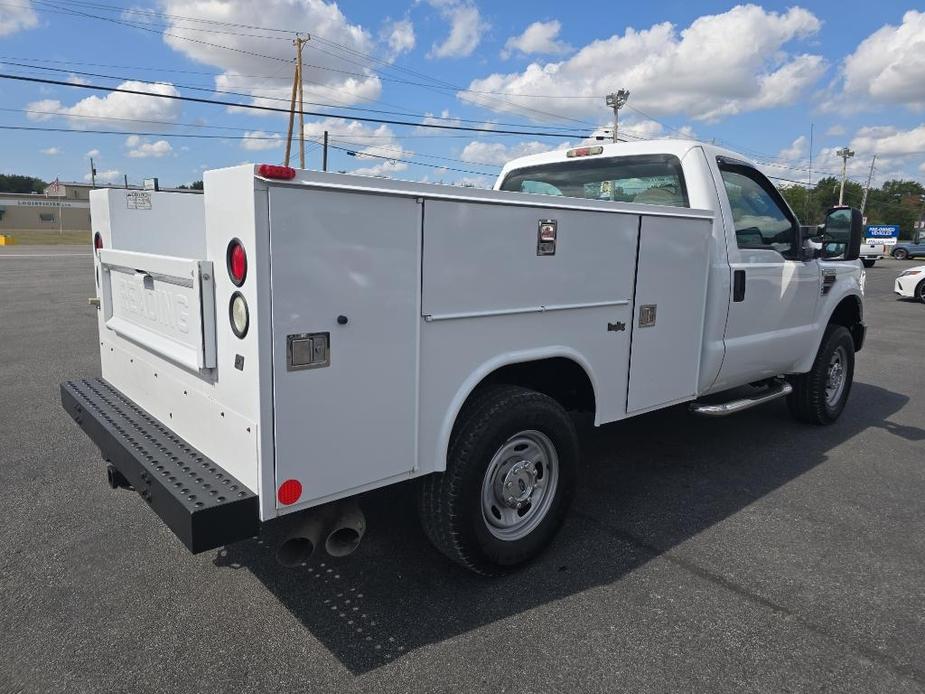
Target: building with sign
(61, 207)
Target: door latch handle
(616, 327)
(738, 285)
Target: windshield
(652, 179)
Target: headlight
(910, 272)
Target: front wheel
(819, 396)
(920, 291)
(510, 476)
(868, 263)
(900, 254)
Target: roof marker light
(282, 173)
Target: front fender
(848, 284)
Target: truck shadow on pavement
(649, 484)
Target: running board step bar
(777, 390)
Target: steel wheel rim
(519, 485)
(835, 376)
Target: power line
(255, 107)
(257, 95)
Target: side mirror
(841, 234)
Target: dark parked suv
(909, 249)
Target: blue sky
(752, 77)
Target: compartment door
(345, 276)
(671, 287)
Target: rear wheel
(920, 291)
(819, 396)
(510, 476)
(868, 263)
(900, 254)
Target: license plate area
(163, 303)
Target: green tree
(195, 185)
(14, 183)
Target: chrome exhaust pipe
(348, 528)
(301, 543)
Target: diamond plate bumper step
(204, 505)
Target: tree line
(895, 202)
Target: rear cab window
(651, 179)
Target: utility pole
(298, 42)
(92, 173)
(125, 178)
(845, 154)
(324, 155)
(617, 100)
(870, 176)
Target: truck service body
(291, 339)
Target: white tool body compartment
(392, 300)
(346, 421)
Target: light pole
(845, 154)
(616, 100)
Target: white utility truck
(291, 339)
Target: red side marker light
(282, 173)
(97, 241)
(289, 492)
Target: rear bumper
(204, 505)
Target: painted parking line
(46, 255)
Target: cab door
(771, 321)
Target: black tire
(920, 291)
(809, 401)
(868, 263)
(900, 254)
(450, 503)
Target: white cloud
(93, 153)
(257, 140)
(538, 38)
(836, 130)
(498, 153)
(718, 66)
(95, 110)
(399, 35)
(110, 176)
(76, 79)
(796, 150)
(376, 146)
(16, 16)
(309, 16)
(50, 151)
(142, 149)
(466, 28)
(889, 65)
(889, 141)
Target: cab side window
(762, 219)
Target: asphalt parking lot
(751, 553)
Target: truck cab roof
(677, 147)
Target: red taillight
(283, 173)
(97, 241)
(289, 492)
(237, 262)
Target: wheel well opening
(848, 313)
(558, 377)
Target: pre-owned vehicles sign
(882, 233)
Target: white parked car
(911, 283)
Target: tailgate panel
(165, 304)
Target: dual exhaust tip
(338, 527)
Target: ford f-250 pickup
(291, 339)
